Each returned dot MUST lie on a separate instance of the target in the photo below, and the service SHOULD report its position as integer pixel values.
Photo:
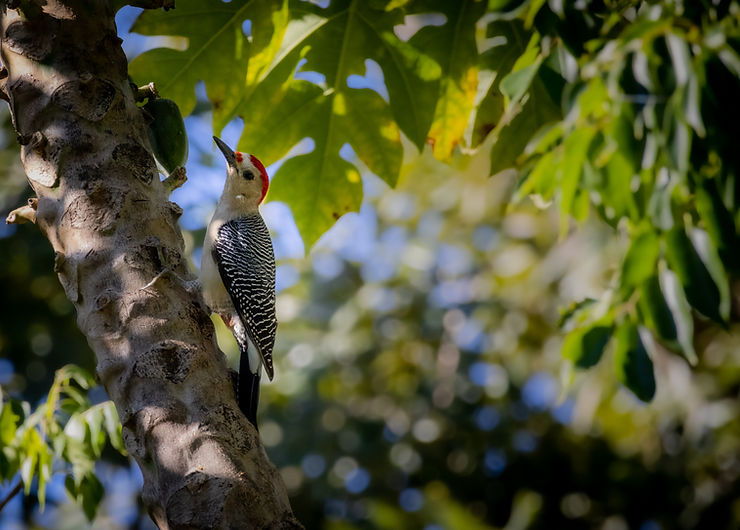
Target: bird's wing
(243, 253)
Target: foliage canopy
(621, 111)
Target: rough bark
(107, 215)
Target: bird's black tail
(247, 383)
(248, 389)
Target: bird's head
(246, 178)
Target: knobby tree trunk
(107, 215)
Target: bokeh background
(419, 377)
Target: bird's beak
(226, 150)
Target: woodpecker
(238, 272)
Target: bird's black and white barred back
(243, 253)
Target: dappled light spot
(313, 465)
(343, 467)
(492, 377)
(247, 28)
(485, 238)
(285, 276)
(339, 104)
(353, 175)
(327, 265)
(411, 500)
(575, 505)
(397, 206)
(540, 391)
(426, 430)
(494, 462)
(287, 307)
(486, 418)
(333, 419)
(292, 476)
(405, 457)
(513, 261)
(301, 355)
(524, 441)
(458, 461)
(413, 23)
(451, 293)
(563, 413)
(6, 371)
(271, 433)
(418, 257)
(398, 423)
(357, 480)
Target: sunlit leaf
(217, 50)
(576, 147)
(453, 46)
(641, 259)
(321, 186)
(681, 310)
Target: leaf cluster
(65, 433)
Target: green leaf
(87, 491)
(701, 290)
(217, 50)
(718, 222)
(538, 110)
(510, 38)
(113, 425)
(576, 147)
(9, 420)
(93, 419)
(654, 310)
(585, 345)
(681, 310)
(710, 258)
(634, 367)
(453, 47)
(573, 309)
(641, 259)
(72, 372)
(516, 84)
(45, 460)
(31, 447)
(321, 186)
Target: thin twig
(12, 494)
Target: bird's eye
(248, 175)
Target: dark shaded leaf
(634, 367)
(585, 346)
(700, 289)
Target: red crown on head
(239, 157)
(263, 174)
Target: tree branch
(11, 494)
(106, 213)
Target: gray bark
(107, 215)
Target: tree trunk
(107, 215)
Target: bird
(237, 273)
